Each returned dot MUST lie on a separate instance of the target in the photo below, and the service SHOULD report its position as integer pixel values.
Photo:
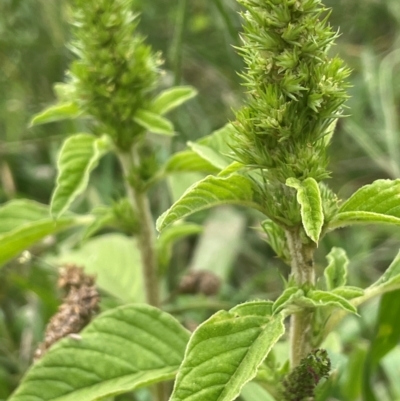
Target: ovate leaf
(309, 199)
(254, 392)
(172, 98)
(103, 217)
(188, 161)
(115, 261)
(324, 298)
(58, 112)
(225, 352)
(122, 349)
(220, 140)
(209, 192)
(391, 277)
(153, 122)
(230, 169)
(206, 155)
(23, 223)
(179, 183)
(276, 239)
(287, 298)
(18, 212)
(348, 292)
(172, 234)
(79, 155)
(209, 154)
(378, 202)
(336, 272)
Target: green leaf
(230, 169)
(225, 352)
(391, 276)
(309, 199)
(336, 272)
(324, 298)
(286, 298)
(79, 155)
(180, 182)
(122, 349)
(374, 203)
(23, 223)
(276, 239)
(351, 379)
(254, 392)
(348, 292)
(172, 234)
(16, 213)
(115, 261)
(172, 98)
(390, 368)
(220, 140)
(206, 155)
(103, 217)
(260, 308)
(387, 334)
(293, 298)
(60, 111)
(188, 161)
(209, 192)
(209, 154)
(153, 122)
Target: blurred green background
(197, 40)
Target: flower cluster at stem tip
(115, 72)
(295, 90)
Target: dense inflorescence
(115, 70)
(79, 306)
(301, 382)
(295, 90)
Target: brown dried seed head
(200, 281)
(79, 306)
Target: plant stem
(140, 204)
(303, 273)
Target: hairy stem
(303, 273)
(140, 203)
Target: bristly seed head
(295, 90)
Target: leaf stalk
(140, 203)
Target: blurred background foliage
(197, 40)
